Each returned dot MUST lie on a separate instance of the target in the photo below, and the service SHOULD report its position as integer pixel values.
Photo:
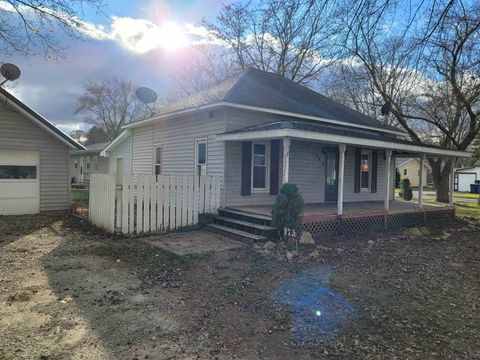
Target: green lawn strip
(80, 196)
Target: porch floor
(349, 208)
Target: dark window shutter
(358, 159)
(274, 166)
(373, 186)
(246, 168)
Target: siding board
(21, 133)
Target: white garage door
(19, 183)
(464, 181)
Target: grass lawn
(80, 196)
(70, 291)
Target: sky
(140, 41)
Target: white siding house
(34, 161)
(467, 176)
(260, 130)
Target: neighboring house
(466, 176)
(257, 130)
(410, 168)
(87, 162)
(34, 160)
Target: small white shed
(466, 176)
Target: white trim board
(263, 110)
(340, 139)
(123, 135)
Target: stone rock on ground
(314, 254)
(269, 245)
(306, 238)
(414, 231)
(289, 256)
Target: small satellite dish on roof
(10, 72)
(385, 108)
(146, 95)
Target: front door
(331, 174)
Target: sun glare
(172, 36)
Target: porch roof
(324, 133)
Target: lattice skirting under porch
(333, 224)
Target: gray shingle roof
(263, 89)
(92, 148)
(326, 129)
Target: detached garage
(466, 177)
(34, 160)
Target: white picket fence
(149, 203)
(101, 205)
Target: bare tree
(30, 27)
(110, 104)
(431, 81)
(207, 66)
(292, 38)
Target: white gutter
(260, 109)
(123, 135)
(341, 139)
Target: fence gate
(101, 205)
(149, 203)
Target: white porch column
(286, 160)
(341, 173)
(452, 180)
(388, 169)
(421, 177)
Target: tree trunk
(441, 178)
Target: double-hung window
(260, 174)
(365, 163)
(157, 160)
(201, 157)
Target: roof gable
(43, 123)
(264, 91)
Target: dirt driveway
(70, 292)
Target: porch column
(452, 180)
(341, 173)
(286, 160)
(421, 177)
(388, 169)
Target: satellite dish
(10, 72)
(385, 108)
(146, 95)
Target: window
(18, 172)
(95, 162)
(158, 159)
(76, 164)
(260, 166)
(365, 170)
(88, 165)
(201, 157)
(405, 171)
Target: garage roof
(23, 109)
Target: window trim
(369, 153)
(196, 164)
(266, 189)
(154, 158)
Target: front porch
(359, 208)
(322, 218)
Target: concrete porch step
(246, 216)
(253, 228)
(238, 234)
